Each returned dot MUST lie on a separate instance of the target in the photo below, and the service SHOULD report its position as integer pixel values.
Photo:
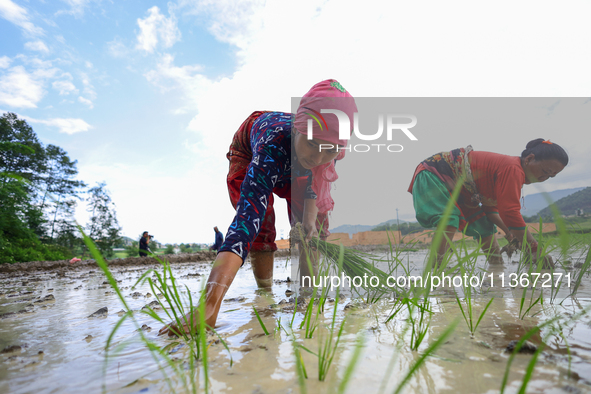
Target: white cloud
(5, 61)
(86, 102)
(88, 87)
(117, 49)
(156, 27)
(36, 46)
(181, 76)
(236, 21)
(65, 125)
(76, 7)
(18, 15)
(20, 89)
(64, 87)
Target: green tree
(22, 159)
(132, 250)
(22, 153)
(60, 190)
(18, 217)
(37, 192)
(103, 227)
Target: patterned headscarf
(328, 94)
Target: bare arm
(495, 218)
(222, 274)
(309, 218)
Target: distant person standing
(219, 239)
(144, 241)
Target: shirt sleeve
(270, 159)
(490, 208)
(509, 184)
(310, 195)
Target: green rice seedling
(468, 314)
(560, 224)
(326, 348)
(311, 319)
(327, 351)
(197, 342)
(396, 308)
(196, 338)
(440, 231)
(584, 269)
(467, 268)
(299, 365)
(419, 324)
(295, 308)
(430, 350)
(203, 337)
(307, 322)
(260, 321)
(155, 351)
(278, 328)
(532, 303)
(352, 362)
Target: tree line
(405, 227)
(39, 193)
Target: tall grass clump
(175, 309)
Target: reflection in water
(62, 349)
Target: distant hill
(351, 228)
(358, 228)
(567, 205)
(534, 203)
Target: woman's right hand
(172, 329)
(220, 278)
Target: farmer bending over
(489, 196)
(263, 163)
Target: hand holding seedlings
(547, 261)
(511, 247)
(220, 278)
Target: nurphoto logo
(392, 125)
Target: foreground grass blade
(352, 363)
(260, 321)
(430, 350)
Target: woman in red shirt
(490, 193)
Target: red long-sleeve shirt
(499, 179)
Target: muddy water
(52, 345)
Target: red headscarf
(328, 94)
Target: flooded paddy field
(54, 327)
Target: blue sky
(147, 95)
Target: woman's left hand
(310, 230)
(548, 262)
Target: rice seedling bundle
(351, 262)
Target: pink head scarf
(328, 94)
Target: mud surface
(55, 320)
